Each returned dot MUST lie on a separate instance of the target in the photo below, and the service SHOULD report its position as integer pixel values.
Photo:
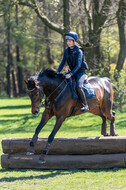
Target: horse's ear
(26, 82)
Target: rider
(74, 56)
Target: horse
(59, 102)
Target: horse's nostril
(36, 112)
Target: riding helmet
(71, 36)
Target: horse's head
(35, 93)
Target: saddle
(87, 88)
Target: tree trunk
(48, 50)
(36, 48)
(93, 52)
(14, 84)
(96, 18)
(66, 18)
(66, 15)
(47, 40)
(19, 77)
(19, 68)
(8, 69)
(121, 17)
(75, 146)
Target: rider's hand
(67, 76)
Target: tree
(97, 14)
(38, 8)
(36, 34)
(9, 56)
(121, 21)
(19, 68)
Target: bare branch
(34, 5)
(28, 4)
(104, 11)
(105, 7)
(88, 14)
(86, 10)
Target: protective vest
(71, 57)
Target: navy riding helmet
(71, 36)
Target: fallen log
(68, 146)
(64, 161)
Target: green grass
(16, 120)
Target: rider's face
(70, 43)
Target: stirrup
(85, 108)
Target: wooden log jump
(68, 146)
(64, 161)
(66, 153)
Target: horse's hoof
(30, 153)
(114, 135)
(41, 161)
(107, 135)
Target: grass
(16, 120)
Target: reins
(47, 98)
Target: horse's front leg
(57, 126)
(47, 114)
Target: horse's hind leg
(104, 124)
(97, 111)
(109, 114)
(112, 125)
(104, 127)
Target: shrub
(120, 89)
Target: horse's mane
(50, 73)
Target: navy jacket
(75, 59)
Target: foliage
(16, 120)
(120, 88)
(36, 29)
(110, 44)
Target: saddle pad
(89, 90)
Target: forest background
(32, 38)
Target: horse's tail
(113, 85)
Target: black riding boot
(83, 99)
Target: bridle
(42, 93)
